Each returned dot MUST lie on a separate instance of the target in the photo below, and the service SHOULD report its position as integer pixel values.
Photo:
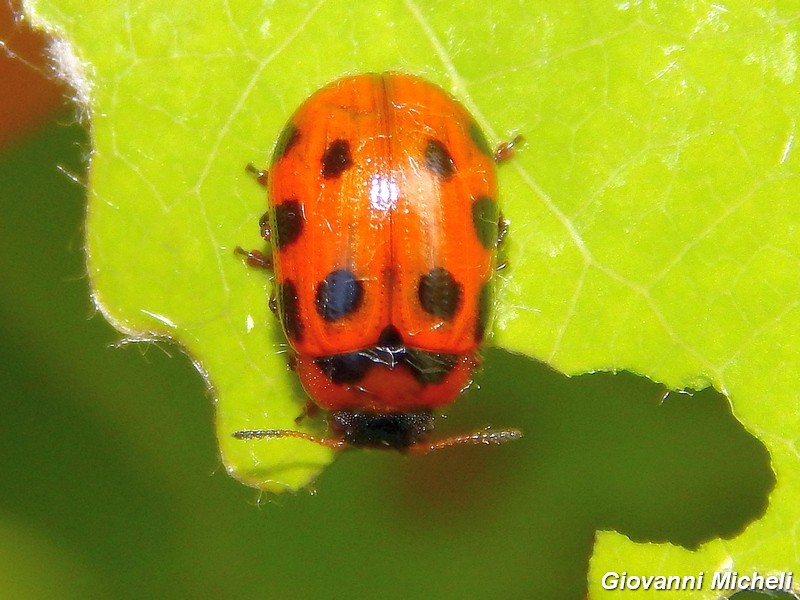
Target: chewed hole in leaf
(617, 452)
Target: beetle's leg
(506, 150)
(273, 302)
(262, 175)
(255, 258)
(502, 229)
(310, 410)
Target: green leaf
(654, 213)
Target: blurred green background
(112, 487)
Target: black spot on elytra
(477, 137)
(484, 310)
(344, 368)
(339, 294)
(438, 160)
(288, 138)
(336, 159)
(485, 218)
(289, 309)
(289, 221)
(439, 293)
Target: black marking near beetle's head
(390, 336)
(349, 368)
(344, 369)
(430, 367)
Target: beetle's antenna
(259, 434)
(487, 436)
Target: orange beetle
(384, 226)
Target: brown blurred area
(29, 93)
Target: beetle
(384, 226)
